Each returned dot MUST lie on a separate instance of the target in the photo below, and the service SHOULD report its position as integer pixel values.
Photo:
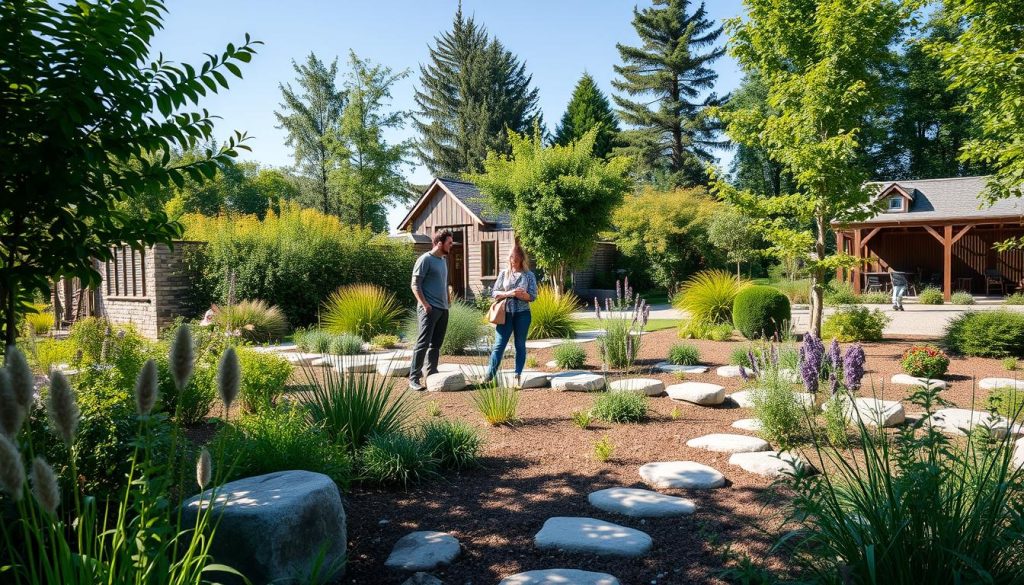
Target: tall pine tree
(672, 135)
(588, 108)
(310, 116)
(472, 90)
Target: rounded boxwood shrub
(684, 354)
(854, 324)
(570, 355)
(986, 334)
(930, 296)
(760, 312)
(925, 361)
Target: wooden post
(840, 238)
(856, 254)
(947, 262)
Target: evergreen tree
(671, 132)
(588, 108)
(472, 91)
(310, 118)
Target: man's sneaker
(895, 308)
(416, 386)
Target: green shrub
(620, 407)
(256, 321)
(346, 344)
(720, 332)
(961, 298)
(385, 341)
(1016, 298)
(116, 352)
(196, 400)
(455, 444)
(88, 336)
(684, 354)
(691, 329)
(619, 344)
(499, 404)
(570, 355)
(740, 356)
(465, 328)
(995, 334)
(854, 324)
(797, 291)
(930, 296)
(708, 296)
(263, 379)
(280, 439)
(925, 361)
(604, 449)
(834, 413)
(875, 298)
(49, 352)
(781, 416)
(838, 293)
(1010, 364)
(396, 459)
(1008, 402)
(582, 419)
(551, 315)
(760, 312)
(362, 309)
(314, 341)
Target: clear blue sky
(557, 39)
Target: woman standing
(517, 284)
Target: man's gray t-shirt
(430, 276)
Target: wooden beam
(934, 233)
(947, 262)
(962, 233)
(840, 238)
(856, 254)
(870, 235)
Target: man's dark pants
(433, 326)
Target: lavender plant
(623, 320)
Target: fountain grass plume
(12, 474)
(181, 357)
(62, 410)
(12, 414)
(145, 388)
(22, 380)
(229, 375)
(204, 469)
(44, 485)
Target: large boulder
(577, 382)
(446, 382)
(274, 527)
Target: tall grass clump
(552, 314)
(623, 321)
(782, 417)
(797, 291)
(256, 321)
(455, 444)
(838, 293)
(365, 310)
(499, 404)
(396, 459)
(313, 340)
(708, 296)
(961, 297)
(570, 355)
(620, 407)
(40, 322)
(684, 354)
(466, 327)
(346, 344)
(986, 334)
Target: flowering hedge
(925, 361)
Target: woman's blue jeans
(518, 325)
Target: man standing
(430, 286)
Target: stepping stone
(805, 399)
(395, 368)
(697, 392)
(589, 535)
(640, 503)
(423, 551)
(645, 386)
(446, 382)
(277, 348)
(905, 380)
(422, 578)
(473, 373)
(743, 398)
(560, 577)
(669, 368)
(874, 412)
(767, 463)
(725, 443)
(529, 379)
(748, 424)
(551, 364)
(681, 474)
(297, 357)
(351, 364)
(993, 383)
(577, 382)
(959, 421)
(729, 371)
(1018, 453)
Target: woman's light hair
(518, 250)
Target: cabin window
(488, 259)
(895, 204)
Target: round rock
(743, 398)
(728, 371)
(645, 386)
(560, 577)
(423, 551)
(681, 474)
(767, 463)
(960, 421)
(874, 412)
(577, 382)
(697, 392)
(640, 503)
(906, 380)
(993, 383)
(670, 368)
(590, 535)
(446, 382)
(725, 443)
(748, 424)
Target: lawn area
(652, 325)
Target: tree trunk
(738, 276)
(11, 332)
(818, 278)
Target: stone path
(725, 443)
(993, 383)
(423, 551)
(645, 386)
(560, 577)
(701, 393)
(577, 382)
(905, 380)
(767, 463)
(960, 421)
(743, 398)
(681, 474)
(640, 503)
(590, 535)
(748, 424)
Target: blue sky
(558, 40)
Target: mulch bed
(544, 466)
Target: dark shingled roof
(947, 199)
(476, 201)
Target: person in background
(430, 287)
(518, 284)
(899, 288)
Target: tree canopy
(588, 108)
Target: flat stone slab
(423, 551)
(446, 382)
(743, 398)
(701, 393)
(577, 382)
(875, 412)
(352, 364)
(529, 379)
(726, 443)
(767, 463)
(297, 357)
(993, 383)
(669, 368)
(640, 503)
(1018, 453)
(396, 368)
(645, 386)
(748, 424)
(422, 578)
(473, 373)
(907, 380)
(681, 474)
(728, 371)
(960, 421)
(560, 577)
(590, 535)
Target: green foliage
(1010, 364)
(313, 340)
(760, 312)
(470, 91)
(620, 343)
(295, 259)
(855, 324)
(47, 353)
(691, 329)
(661, 91)
(733, 232)
(874, 298)
(582, 419)
(346, 344)
(604, 449)
(361, 309)
(925, 361)
(499, 404)
(569, 355)
(588, 109)
(39, 323)
(782, 417)
(740, 356)
(433, 408)
(708, 296)
(797, 291)
(720, 332)
(396, 458)
(834, 413)
(1016, 298)
(263, 379)
(531, 361)
(385, 341)
(111, 357)
(465, 328)
(930, 296)
(255, 321)
(455, 444)
(620, 407)
(684, 354)
(77, 145)
(280, 439)
(551, 315)
(986, 334)
(1007, 401)
(559, 197)
(839, 293)
(961, 298)
(195, 400)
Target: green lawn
(652, 325)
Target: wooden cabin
(483, 238)
(940, 233)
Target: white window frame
(899, 200)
